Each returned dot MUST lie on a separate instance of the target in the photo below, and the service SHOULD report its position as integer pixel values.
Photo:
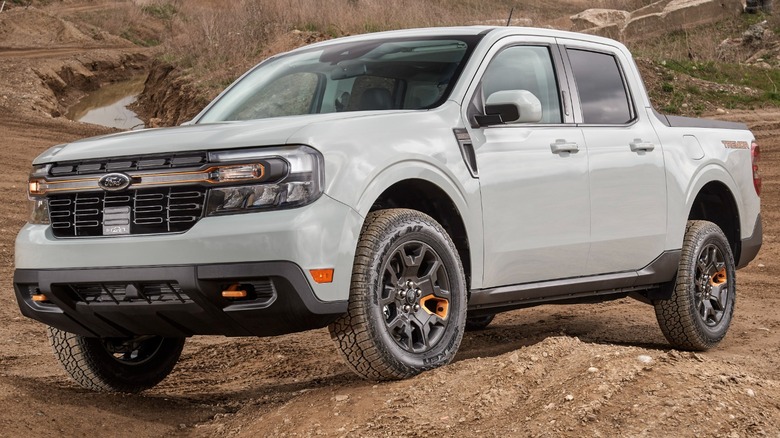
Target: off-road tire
(92, 366)
(364, 336)
(476, 323)
(681, 317)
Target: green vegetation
(764, 80)
(161, 11)
(131, 36)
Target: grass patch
(131, 36)
(730, 73)
(161, 11)
(765, 81)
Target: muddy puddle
(107, 106)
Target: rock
(569, 397)
(750, 392)
(756, 33)
(593, 370)
(590, 18)
(761, 265)
(720, 111)
(645, 359)
(341, 397)
(679, 15)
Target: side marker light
(322, 275)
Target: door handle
(638, 145)
(561, 146)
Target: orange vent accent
(435, 305)
(233, 291)
(322, 275)
(40, 298)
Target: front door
(533, 176)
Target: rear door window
(602, 90)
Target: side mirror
(511, 106)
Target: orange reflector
(39, 298)
(234, 292)
(322, 275)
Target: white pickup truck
(399, 188)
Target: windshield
(358, 76)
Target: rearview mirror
(513, 106)
(345, 70)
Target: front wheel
(476, 323)
(116, 364)
(407, 303)
(699, 312)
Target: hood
(227, 135)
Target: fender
(466, 200)
(710, 172)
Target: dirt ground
(590, 370)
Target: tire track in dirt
(36, 52)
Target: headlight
(300, 183)
(38, 205)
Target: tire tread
(352, 332)
(676, 316)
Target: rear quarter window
(603, 95)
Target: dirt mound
(555, 387)
(169, 98)
(30, 27)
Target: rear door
(626, 163)
(533, 176)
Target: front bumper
(323, 234)
(175, 300)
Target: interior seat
(376, 99)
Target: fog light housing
(39, 211)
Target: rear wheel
(702, 304)
(407, 303)
(116, 364)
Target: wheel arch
(429, 198)
(715, 201)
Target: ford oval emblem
(113, 182)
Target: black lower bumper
(175, 300)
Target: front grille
(118, 293)
(127, 164)
(141, 211)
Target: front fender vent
(467, 150)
